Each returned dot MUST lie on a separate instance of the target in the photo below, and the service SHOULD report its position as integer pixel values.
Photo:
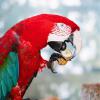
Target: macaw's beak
(68, 49)
(63, 54)
(64, 51)
(74, 44)
(58, 57)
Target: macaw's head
(64, 43)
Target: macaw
(24, 46)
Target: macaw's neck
(29, 64)
(33, 36)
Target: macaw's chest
(29, 63)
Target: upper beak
(74, 40)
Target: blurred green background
(83, 69)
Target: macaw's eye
(63, 47)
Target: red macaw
(21, 50)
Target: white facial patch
(77, 41)
(46, 52)
(60, 32)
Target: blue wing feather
(9, 72)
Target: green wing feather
(9, 72)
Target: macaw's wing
(9, 72)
